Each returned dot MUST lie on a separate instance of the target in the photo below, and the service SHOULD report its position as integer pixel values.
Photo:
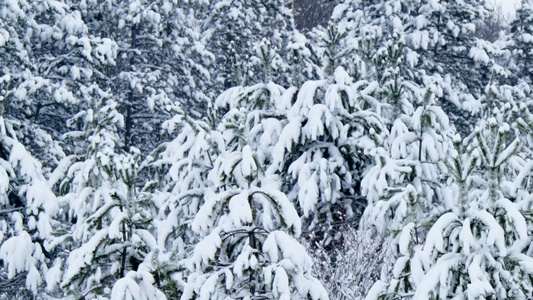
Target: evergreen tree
(27, 219)
(403, 187)
(238, 27)
(153, 56)
(320, 153)
(439, 41)
(444, 37)
(43, 70)
(478, 247)
(247, 226)
(178, 172)
(104, 233)
(303, 61)
(522, 36)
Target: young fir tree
(522, 36)
(27, 219)
(479, 248)
(44, 69)
(177, 172)
(444, 37)
(104, 234)
(320, 153)
(350, 41)
(331, 51)
(439, 43)
(303, 64)
(153, 55)
(247, 227)
(237, 27)
(400, 182)
(185, 38)
(37, 89)
(402, 185)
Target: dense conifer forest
(265, 149)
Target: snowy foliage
(165, 149)
(472, 250)
(28, 209)
(100, 200)
(246, 225)
(320, 150)
(522, 40)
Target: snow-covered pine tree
(177, 172)
(238, 26)
(373, 90)
(331, 51)
(103, 236)
(37, 87)
(28, 209)
(480, 246)
(417, 129)
(343, 43)
(246, 225)
(443, 35)
(439, 43)
(153, 57)
(403, 185)
(185, 37)
(369, 25)
(44, 67)
(303, 62)
(400, 182)
(320, 153)
(522, 36)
